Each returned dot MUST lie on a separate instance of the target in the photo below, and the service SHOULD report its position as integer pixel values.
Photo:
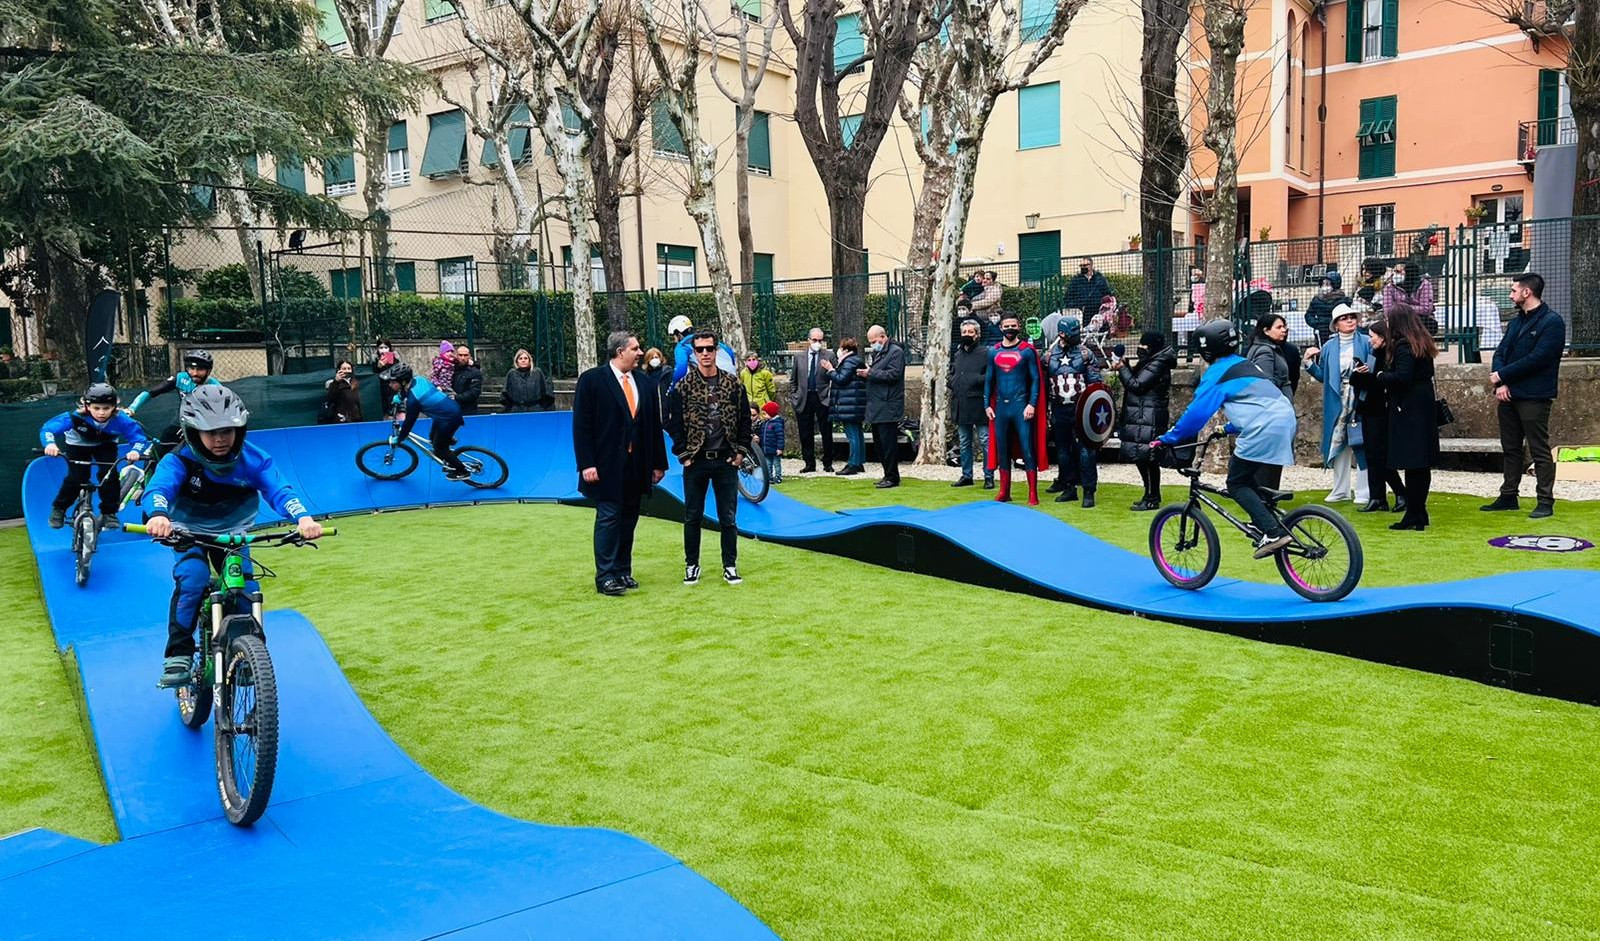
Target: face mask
(1325, 290)
(655, 362)
(994, 318)
(1010, 333)
(816, 346)
(1083, 269)
(877, 347)
(969, 342)
(751, 364)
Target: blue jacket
(849, 392)
(1326, 371)
(204, 501)
(78, 429)
(425, 398)
(771, 432)
(1528, 358)
(1256, 410)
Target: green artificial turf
(48, 774)
(1455, 545)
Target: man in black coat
(811, 395)
(969, 368)
(1086, 289)
(1527, 365)
(886, 401)
(616, 437)
(466, 384)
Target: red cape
(1041, 422)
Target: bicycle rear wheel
(1184, 546)
(85, 533)
(753, 480)
(247, 730)
(383, 462)
(1325, 560)
(488, 468)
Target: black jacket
(467, 383)
(1146, 401)
(849, 392)
(968, 370)
(602, 430)
(527, 390)
(1407, 381)
(1086, 293)
(1528, 358)
(1319, 314)
(344, 400)
(886, 385)
(1268, 357)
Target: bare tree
(891, 31)
(984, 38)
(680, 94)
(926, 112)
(1224, 22)
(498, 84)
(369, 40)
(743, 97)
(1164, 147)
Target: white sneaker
(691, 574)
(731, 576)
(1336, 498)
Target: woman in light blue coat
(1342, 444)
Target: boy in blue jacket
(211, 484)
(91, 433)
(418, 397)
(770, 432)
(1257, 412)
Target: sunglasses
(705, 349)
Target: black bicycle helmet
(213, 408)
(100, 393)
(1216, 339)
(397, 372)
(197, 358)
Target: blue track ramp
(359, 842)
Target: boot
(1057, 486)
(1088, 499)
(1004, 496)
(1033, 488)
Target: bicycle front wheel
(85, 535)
(753, 480)
(383, 462)
(1325, 560)
(488, 469)
(1184, 546)
(247, 730)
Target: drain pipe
(1322, 134)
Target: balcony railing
(1548, 132)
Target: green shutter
(1549, 106)
(329, 29)
(1037, 15)
(339, 170)
(437, 10)
(763, 266)
(760, 142)
(569, 116)
(751, 8)
(518, 138)
(397, 136)
(203, 199)
(1391, 28)
(1377, 159)
(251, 165)
(346, 284)
(1354, 24)
(291, 174)
(678, 254)
(663, 133)
(447, 144)
(848, 43)
(1386, 121)
(848, 126)
(1039, 116)
(405, 277)
(1039, 256)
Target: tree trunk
(747, 255)
(701, 203)
(847, 202)
(375, 193)
(937, 179)
(1224, 26)
(608, 226)
(67, 309)
(946, 282)
(1165, 155)
(1583, 77)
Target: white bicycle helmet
(679, 325)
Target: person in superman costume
(1015, 391)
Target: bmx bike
(233, 670)
(384, 460)
(85, 524)
(753, 479)
(1322, 563)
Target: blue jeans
(968, 435)
(191, 576)
(775, 466)
(858, 444)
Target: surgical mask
(1326, 289)
(655, 362)
(816, 346)
(994, 318)
(877, 347)
(1010, 333)
(969, 342)
(1399, 277)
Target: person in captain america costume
(1015, 392)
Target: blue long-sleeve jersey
(181, 382)
(80, 429)
(425, 398)
(1262, 416)
(203, 501)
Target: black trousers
(812, 415)
(442, 435)
(1243, 478)
(1418, 481)
(614, 522)
(1527, 419)
(886, 438)
(1381, 478)
(723, 479)
(1150, 475)
(105, 455)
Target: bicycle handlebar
(226, 540)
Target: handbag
(1441, 412)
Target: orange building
(1374, 115)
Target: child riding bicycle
(211, 484)
(1257, 412)
(89, 436)
(416, 397)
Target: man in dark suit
(616, 436)
(886, 401)
(811, 394)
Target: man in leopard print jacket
(708, 417)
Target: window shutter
(340, 169)
(1039, 116)
(437, 10)
(1354, 24)
(1386, 117)
(405, 277)
(848, 43)
(291, 174)
(1037, 15)
(760, 142)
(447, 144)
(516, 136)
(848, 125)
(675, 254)
(1391, 28)
(1549, 106)
(329, 29)
(763, 269)
(397, 136)
(664, 134)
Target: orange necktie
(627, 390)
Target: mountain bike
(1323, 563)
(384, 460)
(753, 480)
(85, 524)
(232, 668)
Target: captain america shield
(1097, 415)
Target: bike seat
(1276, 496)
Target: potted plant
(1265, 234)
(1347, 225)
(1475, 214)
(1134, 241)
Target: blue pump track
(359, 842)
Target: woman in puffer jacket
(850, 405)
(1146, 406)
